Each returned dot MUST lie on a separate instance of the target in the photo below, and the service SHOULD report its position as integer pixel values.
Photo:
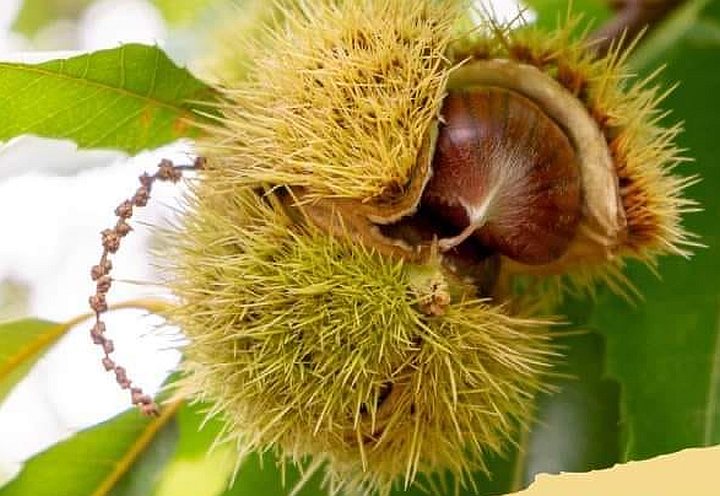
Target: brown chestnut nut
(506, 174)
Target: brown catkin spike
(100, 274)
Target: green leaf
(129, 98)
(148, 468)
(95, 461)
(665, 351)
(22, 343)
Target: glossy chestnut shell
(505, 174)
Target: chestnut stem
(631, 17)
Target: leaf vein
(117, 126)
(96, 117)
(60, 110)
(89, 82)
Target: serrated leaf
(129, 98)
(94, 461)
(22, 343)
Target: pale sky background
(54, 201)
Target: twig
(100, 273)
